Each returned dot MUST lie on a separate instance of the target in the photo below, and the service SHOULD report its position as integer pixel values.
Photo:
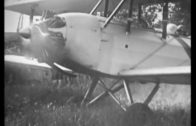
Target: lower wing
(10, 59)
(171, 75)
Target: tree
(179, 14)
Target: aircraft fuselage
(88, 47)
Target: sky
(11, 21)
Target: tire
(138, 114)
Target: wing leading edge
(57, 6)
(34, 63)
(170, 75)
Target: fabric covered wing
(24, 60)
(56, 6)
(170, 75)
(10, 59)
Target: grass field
(46, 104)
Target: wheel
(138, 114)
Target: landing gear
(115, 87)
(90, 90)
(137, 114)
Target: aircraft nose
(25, 32)
(46, 40)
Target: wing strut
(90, 90)
(106, 8)
(32, 14)
(20, 23)
(130, 16)
(165, 20)
(113, 13)
(139, 12)
(154, 91)
(96, 6)
(128, 91)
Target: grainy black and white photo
(97, 62)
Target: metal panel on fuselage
(111, 50)
(122, 52)
(83, 39)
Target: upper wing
(57, 6)
(23, 6)
(171, 75)
(10, 59)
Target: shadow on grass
(46, 105)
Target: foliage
(179, 14)
(150, 13)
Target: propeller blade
(12, 37)
(25, 33)
(14, 40)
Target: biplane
(71, 35)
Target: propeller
(25, 33)
(20, 40)
(44, 40)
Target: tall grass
(48, 104)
